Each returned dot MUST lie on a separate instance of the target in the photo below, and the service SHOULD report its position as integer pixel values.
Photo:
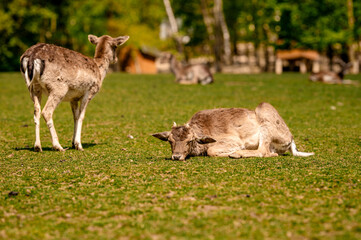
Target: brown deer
(190, 74)
(331, 77)
(232, 132)
(66, 75)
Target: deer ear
(93, 39)
(205, 140)
(120, 40)
(162, 135)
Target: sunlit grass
(124, 187)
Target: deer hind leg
(48, 110)
(75, 109)
(276, 127)
(81, 114)
(262, 151)
(36, 97)
(222, 150)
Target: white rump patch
(37, 68)
(207, 80)
(313, 78)
(25, 67)
(328, 78)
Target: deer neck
(103, 65)
(198, 149)
(103, 56)
(176, 67)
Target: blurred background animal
(331, 77)
(188, 74)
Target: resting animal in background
(232, 132)
(330, 77)
(66, 75)
(190, 74)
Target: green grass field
(123, 188)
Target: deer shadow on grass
(48, 149)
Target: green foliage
(192, 21)
(320, 14)
(121, 187)
(250, 21)
(321, 25)
(21, 23)
(68, 23)
(293, 24)
(357, 15)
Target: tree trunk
(223, 29)
(174, 27)
(351, 46)
(209, 21)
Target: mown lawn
(123, 188)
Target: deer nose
(176, 157)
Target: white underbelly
(328, 79)
(73, 95)
(69, 96)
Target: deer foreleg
(36, 97)
(77, 138)
(75, 109)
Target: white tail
(24, 65)
(296, 153)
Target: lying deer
(66, 75)
(232, 132)
(331, 77)
(190, 74)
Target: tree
(205, 22)
(21, 24)
(173, 23)
(222, 29)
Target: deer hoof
(78, 146)
(235, 155)
(59, 148)
(38, 149)
(273, 155)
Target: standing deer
(331, 77)
(232, 132)
(190, 74)
(66, 75)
